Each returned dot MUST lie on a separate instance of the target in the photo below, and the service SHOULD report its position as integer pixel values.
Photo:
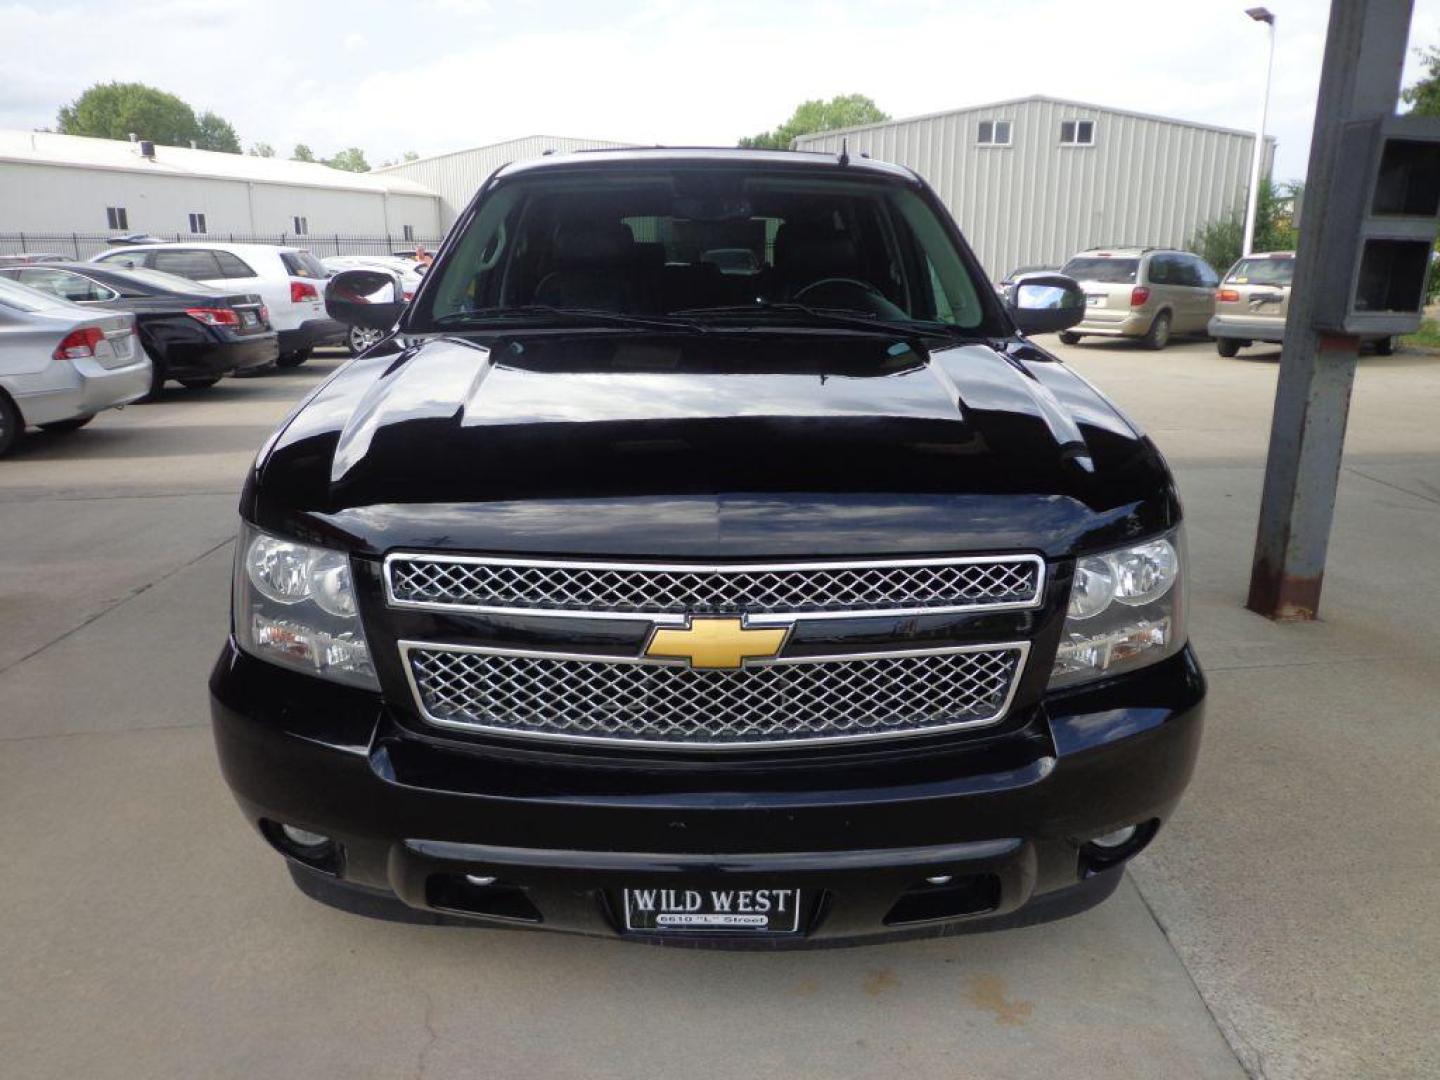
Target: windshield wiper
(834, 316)
(610, 318)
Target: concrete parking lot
(1283, 926)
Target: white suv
(290, 280)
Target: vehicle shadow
(1400, 360)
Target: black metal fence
(73, 245)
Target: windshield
(302, 264)
(1104, 271)
(702, 245)
(1262, 272)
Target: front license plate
(755, 911)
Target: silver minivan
(1146, 293)
(1253, 302)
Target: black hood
(720, 444)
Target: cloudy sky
(438, 75)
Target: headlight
(295, 606)
(1127, 610)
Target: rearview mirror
(369, 298)
(1045, 303)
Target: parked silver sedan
(60, 363)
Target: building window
(994, 133)
(197, 223)
(1077, 132)
(116, 217)
(302, 226)
(409, 232)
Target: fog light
(303, 837)
(479, 879)
(1117, 839)
(940, 879)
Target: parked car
(623, 596)
(1021, 271)
(138, 238)
(360, 338)
(1146, 293)
(1253, 302)
(25, 258)
(60, 363)
(288, 279)
(193, 333)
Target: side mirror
(1045, 303)
(373, 299)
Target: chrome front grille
(760, 591)
(776, 702)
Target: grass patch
(1427, 337)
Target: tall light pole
(1252, 203)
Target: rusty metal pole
(1360, 80)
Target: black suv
(629, 588)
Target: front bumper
(414, 815)
(312, 332)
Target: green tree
(351, 160)
(410, 155)
(1219, 242)
(1423, 96)
(302, 153)
(262, 149)
(216, 133)
(846, 110)
(117, 110)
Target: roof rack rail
(1142, 248)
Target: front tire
(1069, 338)
(293, 359)
(1227, 346)
(1158, 336)
(12, 425)
(60, 427)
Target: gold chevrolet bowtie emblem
(715, 643)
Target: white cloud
(454, 73)
(465, 8)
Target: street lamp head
(1260, 14)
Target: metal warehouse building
(62, 184)
(1035, 179)
(456, 176)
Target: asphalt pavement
(1282, 925)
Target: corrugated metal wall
(62, 198)
(1146, 180)
(456, 177)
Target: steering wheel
(863, 285)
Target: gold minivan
(1145, 293)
